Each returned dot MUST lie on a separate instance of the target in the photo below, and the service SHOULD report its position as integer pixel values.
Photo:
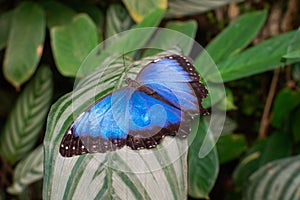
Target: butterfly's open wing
(125, 117)
(175, 76)
(98, 129)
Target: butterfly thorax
(139, 86)
(132, 83)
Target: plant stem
(265, 120)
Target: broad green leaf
(279, 179)
(179, 34)
(57, 13)
(140, 9)
(5, 21)
(28, 171)
(93, 10)
(285, 102)
(278, 145)
(260, 58)
(159, 173)
(24, 123)
(123, 43)
(293, 52)
(231, 146)
(236, 36)
(203, 172)
(179, 8)
(71, 43)
(117, 20)
(25, 43)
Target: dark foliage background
(43, 44)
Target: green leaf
(117, 20)
(28, 171)
(236, 36)
(24, 123)
(71, 43)
(25, 43)
(202, 171)
(231, 146)
(277, 146)
(279, 179)
(179, 34)
(5, 21)
(57, 13)
(140, 9)
(179, 8)
(293, 52)
(122, 174)
(260, 58)
(285, 102)
(124, 43)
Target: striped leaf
(24, 123)
(160, 173)
(117, 20)
(190, 7)
(279, 179)
(28, 171)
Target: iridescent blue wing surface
(158, 103)
(175, 76)
(95, 130)
(125, 117)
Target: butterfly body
(157, 104)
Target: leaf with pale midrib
(25, 121)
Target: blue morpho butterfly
(159, 102)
